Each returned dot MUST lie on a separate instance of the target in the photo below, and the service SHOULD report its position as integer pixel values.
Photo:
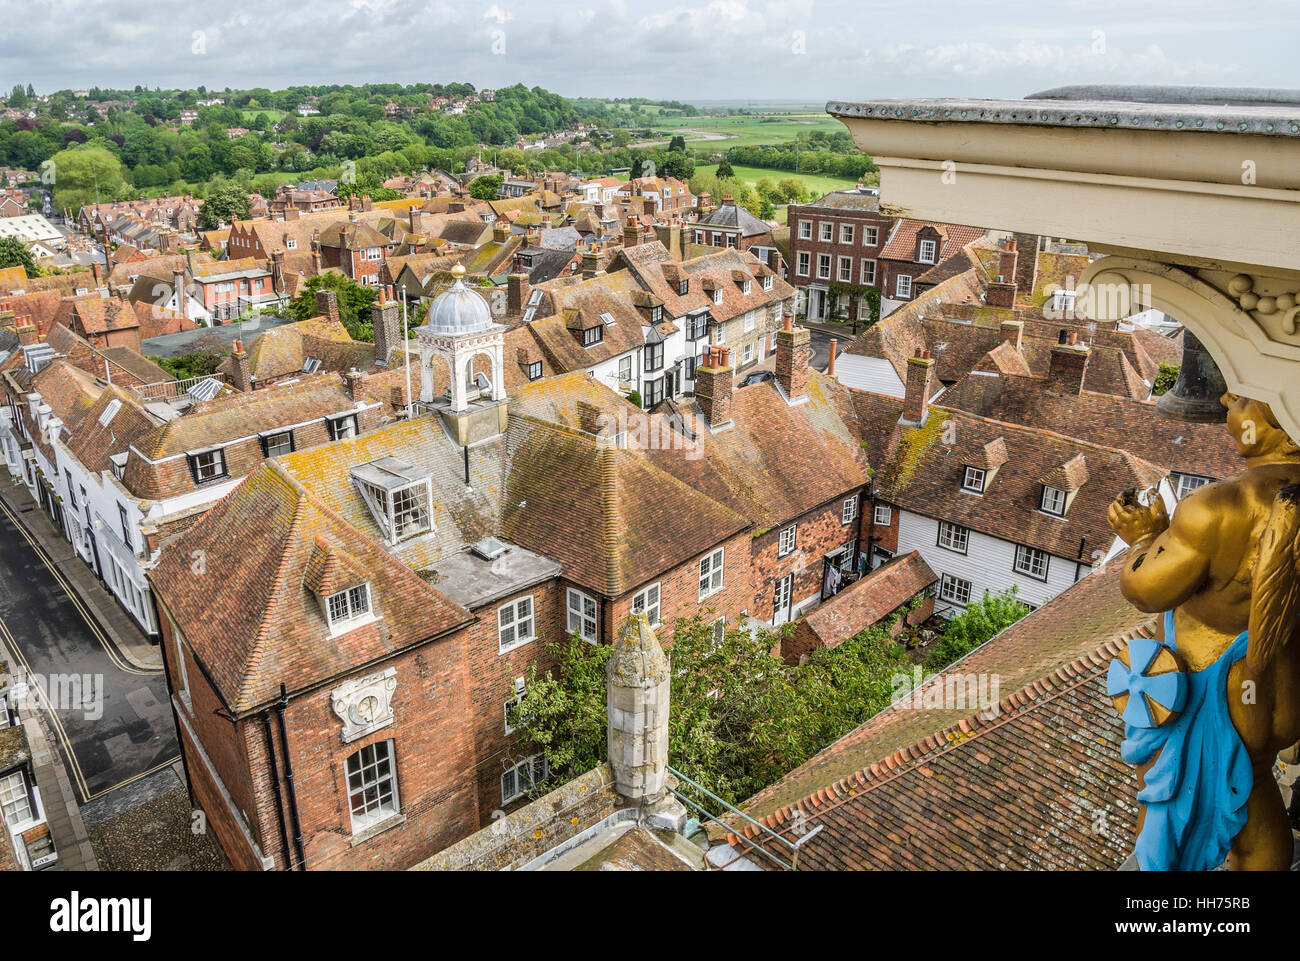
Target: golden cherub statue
(1225, 572)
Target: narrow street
(112, 723)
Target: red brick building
(837, 240)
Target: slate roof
(733, 215)
(259, 541)
(940, 787)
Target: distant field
(815, 182)
(722, 133)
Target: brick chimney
(277, 271)
(1002, 291)
(315, 252)
(713, 387)
(500, 233)
(793, 351)
(327, 304)
(830, 366)
(631, 235)
(290, 213)
(1069, 364)
(589, 260)
(241, 376)
(516, 292)
(352, 383)
(387, 322)
(916, 399)
(1012, 333)
(366, 202)
(353, 203)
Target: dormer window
(767, 282)
(208, 465)
(341, 427)
(683, 287)
(535, 370)
(973, 481)
(1053, 501)
(717, 296)
(346, 606)
(291, 244)
(656, 315)
(534, 298)
(592, 335)
(398, 495)
(745, 287)
(927, 252)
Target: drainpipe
(1078, 564)
(275, 783)
(465, 451)
(288, 778)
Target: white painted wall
(869, 373)
(988, 563)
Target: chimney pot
(830, 367)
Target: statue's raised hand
(1134, 521)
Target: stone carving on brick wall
(365, 704)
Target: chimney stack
(500, 233)
(1069, 364)
(387, 322)
(327, 304)
(793, 351)
(366, 203)
(589, 260)
(631, 235)
(916, 399)
(290, 213)
(516, 292)
(241, 376)
(1195, 396)
(352, 383)
(1012, 333)
(830, 366)
(713, 387)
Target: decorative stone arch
(1257, 352)
(429, 360)
(459, 351)
(496, 357)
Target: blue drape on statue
(1195, 793)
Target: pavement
(114, 726)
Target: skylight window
(110, 412)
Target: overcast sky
(804, 51)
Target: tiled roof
(1204, 449)
(581, 305)
(917, 469)
(655, 270)
(870, 598)
(93, 443)
(282, 351)
(258, 545)
(901, 244)
(935, 785)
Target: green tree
(981, 620)
(86, 175)
(485, 187)
(1166, 378)
(197, 364)
(14, 254)
(677, 143)
(225, 203)
(354, 303)
(724, 169)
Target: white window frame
(804, 264)
(868, 276)
(870, 236)
(510, 617)
(713, 573)
(787, 540)
(1186, 483)
(353, 607)
(747, 353)
(952, 588)
(767, 281)
(15, 797)
(805, 230)
(849, 510)
(846, 233)
(930, 247)
(903, 285)
(513, 786)
(1049, 495)
(577, 616)
(650, 600)
(954, 537)
(827, 232)
(846, 270)
(1032, 562)
(362, 769)
(973, 480)
(823, 266)
(342, 427)
(883, 515)
(511, 701)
